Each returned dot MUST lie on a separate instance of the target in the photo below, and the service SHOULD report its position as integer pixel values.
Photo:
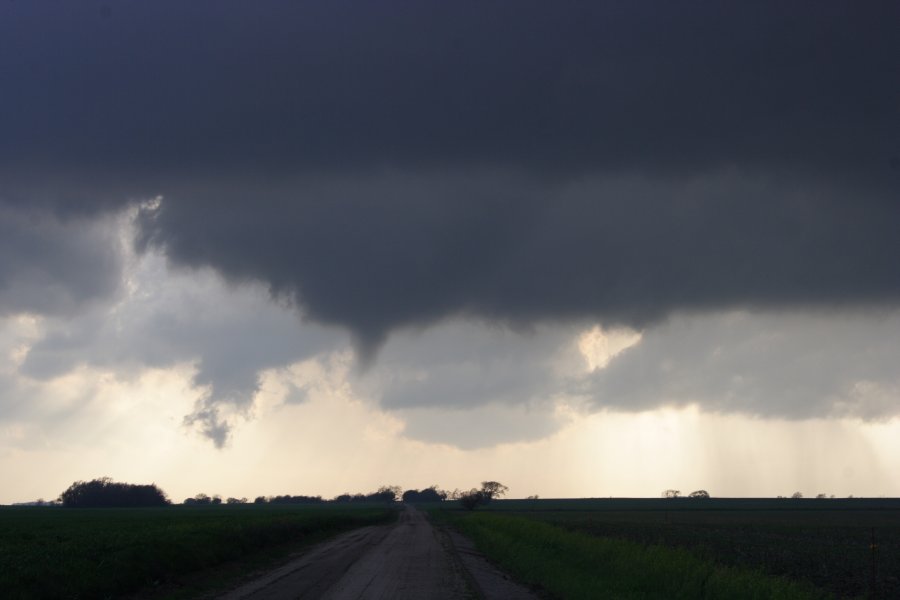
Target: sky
(585, 249)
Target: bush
(471, 499)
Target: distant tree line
(105, 492)
(203, 500)
(386, 493)
(39, 502)
(799, 495)
(697, 495)
(288, 499)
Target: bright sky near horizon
(327, 246)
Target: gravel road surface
(406, 560)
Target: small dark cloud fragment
(208, 421)
(297, 394)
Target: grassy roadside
(572, 565)
(106, 553)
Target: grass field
(640, 548)
(824, 543)
(106, 553)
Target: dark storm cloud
(197, 86)
(384, 252)
(389, 164)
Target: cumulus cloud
(163, 319)
(465, 365)
(783, 365)
(471, 384)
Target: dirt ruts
(406, 560)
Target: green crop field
(825, 546)
(105, 553)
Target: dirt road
(409, 559)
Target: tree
(797, 495)
(429, 494)
(104, 492)
(493, 489)
(699, 494)
(670, 494)
(388, 493)
(475, 497)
